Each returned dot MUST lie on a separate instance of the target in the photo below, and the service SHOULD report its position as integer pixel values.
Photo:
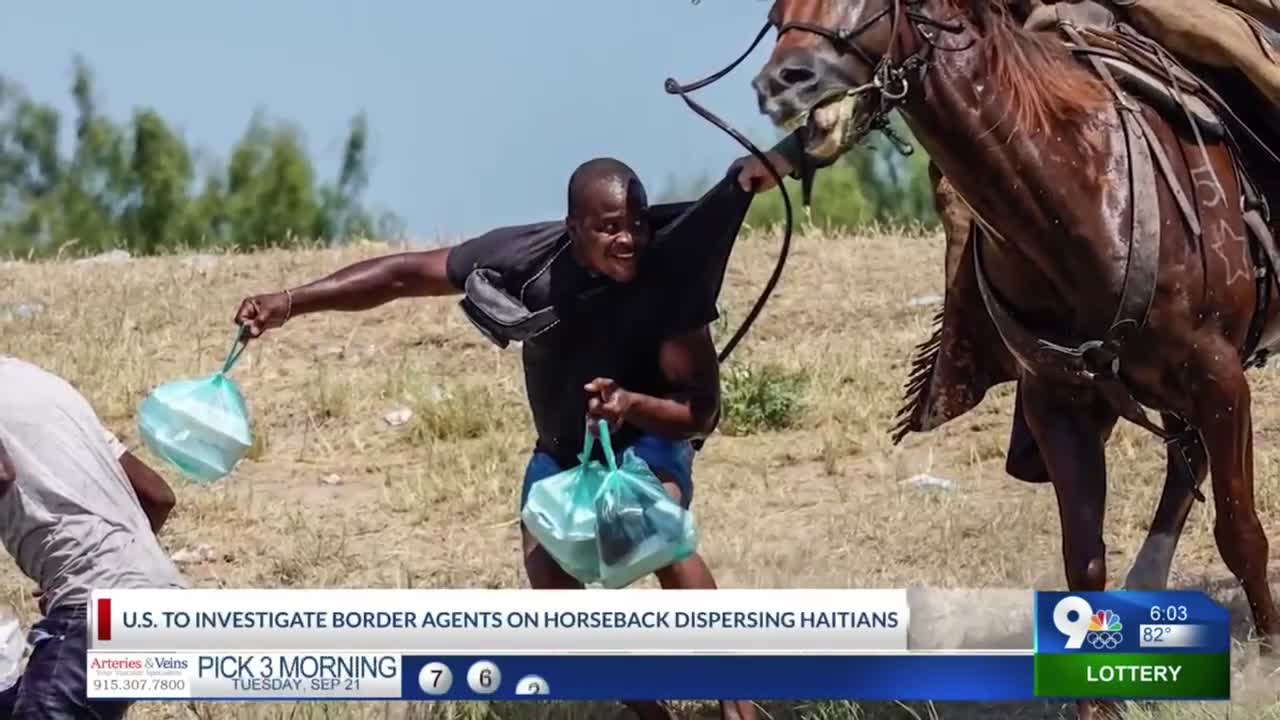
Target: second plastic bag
(200, 426)
(639, 528)
(560, 514)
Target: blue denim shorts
(55, 686)
(668, 459)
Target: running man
(638, 353)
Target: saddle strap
(1126, 103)
(1266, 261)
(1097, 362)
(1153, 56)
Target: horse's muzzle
(788, 85)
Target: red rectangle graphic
(104, 619)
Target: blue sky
(478, 110)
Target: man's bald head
(604, 171)
(608, 219)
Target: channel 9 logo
(1074, 617)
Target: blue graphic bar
(984, 678)
(1127, 622)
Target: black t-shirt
(607, 329)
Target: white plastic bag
(13, 645)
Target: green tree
(136, 185)
(872, 183)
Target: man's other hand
(261, 312)
(754, 176)
(608, 402)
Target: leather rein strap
(889, 79)
(674, 88)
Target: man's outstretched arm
(788, 156)
(360, 286)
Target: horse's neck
(964, 124)
(1023, 186)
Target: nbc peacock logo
(1104, 630)
(1081, 624)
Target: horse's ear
(984, 12)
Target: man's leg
(543, 571)
(54, 685)
(8, 698)
(672, 463)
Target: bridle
(674, 88)
(890, 81)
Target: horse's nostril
(796, 75)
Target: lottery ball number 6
(483, 677)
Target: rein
(674, 88)
(889, 80)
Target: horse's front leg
(1223, 415)
(1071, 427)
(1150, 569)
(956, 219)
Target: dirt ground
(334, 496)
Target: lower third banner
(319, 676)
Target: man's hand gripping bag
(199, 426)
(560, 514)
(639, 528)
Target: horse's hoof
(1269, 646)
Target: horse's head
(823, 65)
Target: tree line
(871, 185)
(137, 186)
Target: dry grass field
(335, 496)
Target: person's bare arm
(689, 364)
(8, 477)
(360, 286)
(154, 494)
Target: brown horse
(1111, 265)
(1184, 472)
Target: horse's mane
(1043, 82)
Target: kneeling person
(78, 511)
(632, 346)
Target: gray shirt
(72, 521)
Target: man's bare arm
(372, 282)
(154, 494)
(359, 286)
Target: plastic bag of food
(199, 426)
(560, 514)
(639, 528)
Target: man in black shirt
(631, 343)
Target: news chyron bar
(868, 645)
